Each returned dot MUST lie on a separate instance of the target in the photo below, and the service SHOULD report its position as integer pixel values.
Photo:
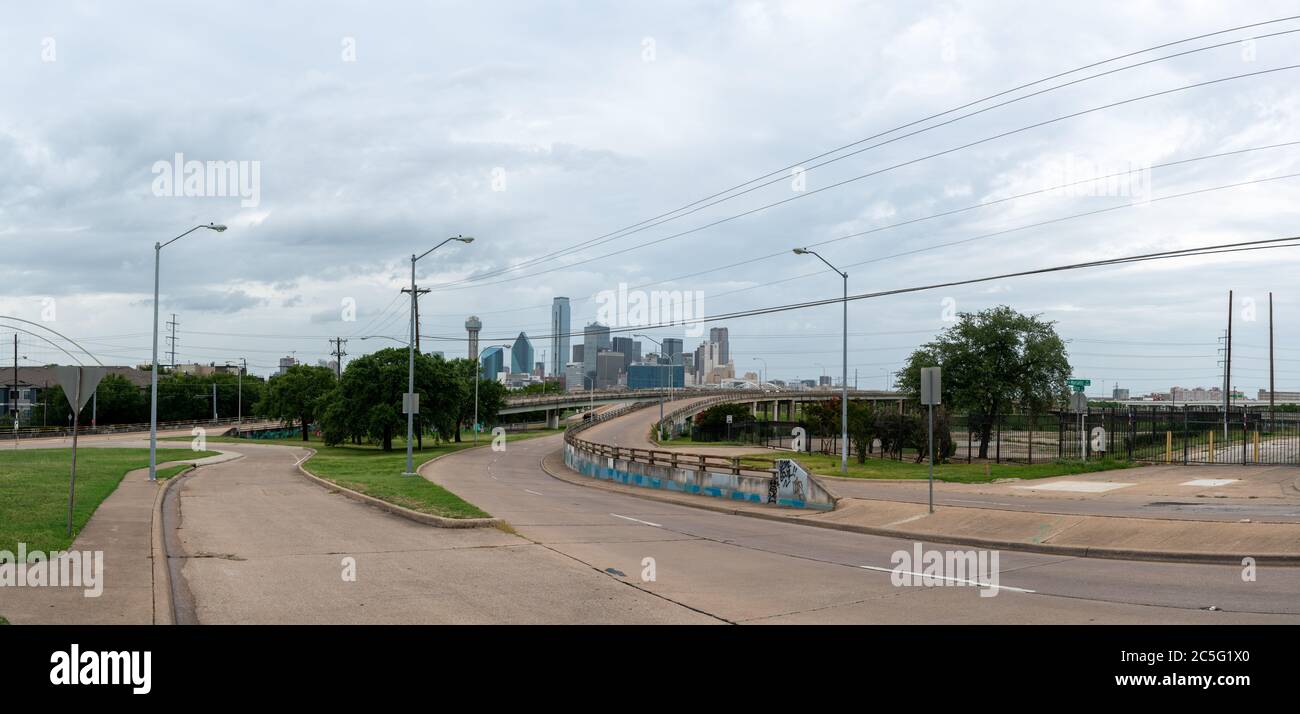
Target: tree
(491, 395)
(713, 421)
(120, 401)
(296, 394)
(992, 361)
(368, 400)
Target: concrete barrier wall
(791, 487)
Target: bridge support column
(552, 418)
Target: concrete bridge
(779, 404)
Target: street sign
(1078, 384)
(1078, 402)
(411, 403)
(79, 383)
(729, 418)
(931, 392)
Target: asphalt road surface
(254, 542)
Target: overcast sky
(377, 130)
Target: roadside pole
(931, 391)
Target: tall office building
(521, 355)
(559, 334)
(577, 354)
(719, 336)
(672, 350)
(595, 338)
(472, 326)
(494, 362)
(630, 348)
(609, 365)
(575, 380)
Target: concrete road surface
(740, 569)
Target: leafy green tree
(296, 395)
(993, 361)
(491, 395)
(368, 400)
(120, 401)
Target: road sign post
(931, 389)
(78, 383)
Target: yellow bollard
(1169, 446)
(1256, 439)
(1211, 432)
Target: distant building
(720, 337)
(595, 337)
(539, 369)
(577, 354)
(1280, 397)
(493, 363)
(286, 363)
(521, 355)
(630, 348)
(472, 326)
(575, 379)
(609, 366)
(654, 376)
(672, 350)
(1118, 394)
(559, 333)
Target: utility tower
(171, 341)
(418, 292)
(338, 355)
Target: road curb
(164, 604)
(991, 543)
(427, 519)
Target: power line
(691, 207)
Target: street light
(410, 369)
(844, 380)
(478, 376)
(153, 380)
(661, 383)
(239, 403)
(762, 380)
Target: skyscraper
(494, 362)
(472, 326)
(521, 355)
(577, 354)
(672, 350)
(595, 337)
(559, 334)
(719, 335)
(609, 366)
(630, 348)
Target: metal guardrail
(687, 393)
(655, 457)
(46, 432)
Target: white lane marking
(951, 579)
(299, 461)
(966, 500)
(1211, 482)
(638, 520)
(909, 519)
(532, 492)
(1077, 486)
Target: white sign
(728, 418)
(931, 391)
(411, 403)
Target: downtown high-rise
(559, 334)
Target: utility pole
(1227, 374)
(416, 302)
(171, 325)
(13, 395)
(338, 354)
(1271, 387)
(214, 402)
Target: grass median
(875, 468)
(370, 470)
(34, 490)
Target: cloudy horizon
(365, 134)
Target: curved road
(254, 542)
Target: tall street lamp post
(153, 380)
(410, 368)
(844, 379)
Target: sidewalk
(1126, 538)
(122, 527)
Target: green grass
(3, 621)
(34, 490)
(164, 474)
(374, 472)
(875, 468)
